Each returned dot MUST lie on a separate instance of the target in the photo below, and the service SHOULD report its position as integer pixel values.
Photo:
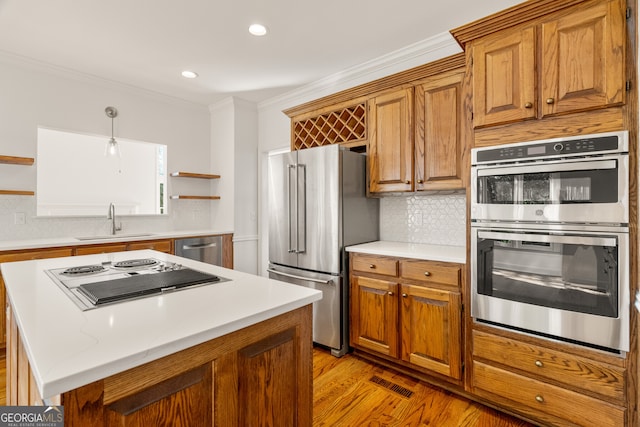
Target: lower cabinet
(257, 376)
(408, 311)
(546, 384)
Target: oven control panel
(559, 147)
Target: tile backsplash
(183, 215)
(438, 219)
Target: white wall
(234, 138)
(32, 95)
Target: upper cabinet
(503, 78)
(438, 132)
(573, 61)
(583, 59)
(391, 141)
(386, 116)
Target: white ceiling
(147, 43)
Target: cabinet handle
(372, 266)
(390, 293)
(407, 182)
(404, 295)
(528, 105)
(550, 101)
(539, 364)
(426, 273)
(539, 399)
(420, 181)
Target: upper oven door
(587, 190)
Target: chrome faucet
(111, 215)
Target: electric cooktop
(96, 285)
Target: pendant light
(112, 148)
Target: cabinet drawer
(40, 254)
(375, 264)
(430, 271)
(540, 397)
(157, 245)
(102, 249)
(576, 371)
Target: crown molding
(14, 60)
(425, 51)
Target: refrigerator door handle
(302, 228)
(290, 193)
(293, 276)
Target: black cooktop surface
(135, 286)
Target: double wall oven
(550, 238)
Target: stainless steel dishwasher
(206, 249)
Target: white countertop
(442, 253)
(68, 348)
(11, 245)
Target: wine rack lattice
(335, 127)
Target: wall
(234, 136)
(274, 126)
(33, 95)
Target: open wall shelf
(22, 161)
(194, 175)
(198, 176)
(177, 197)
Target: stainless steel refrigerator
(317, 206)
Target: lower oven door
(568, 285)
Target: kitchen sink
(113, 236)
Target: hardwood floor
(345, 395)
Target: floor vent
(392, 386)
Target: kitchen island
(236, 352)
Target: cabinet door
(437, 140)
(374, 315)
(430, 321)
(391, 142)
(504, 77)
(583, 59)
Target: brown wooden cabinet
(408, 311)
(548, 384)
(571, 61)
(391, 141)
(439, 132)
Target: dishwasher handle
(293, 276)
(200, 246)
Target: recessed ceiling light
(258, 29)
(189, 74)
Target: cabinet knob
(539, 364)
(539, 399)
(426, 273)
(528, 105)
(404, 295)
(372, 266)
(550, 101)
(390, 293)
(420, 181)
(407, 182)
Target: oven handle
(556, 167)
(549, 238)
